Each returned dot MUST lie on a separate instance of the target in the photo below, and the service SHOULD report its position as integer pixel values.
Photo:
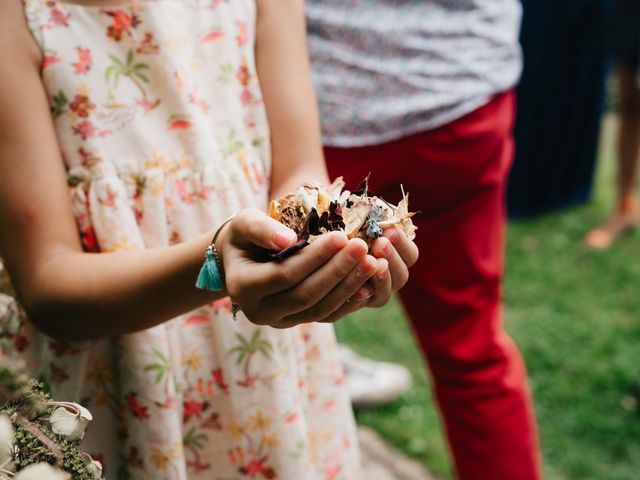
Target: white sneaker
(372, 383)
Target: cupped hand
(322, 282)
(395, 254)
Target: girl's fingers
(319, 284)
(407, 249)
(351, 289)
(247, 276)
(353, 305)
(381, 283)
(383, 248)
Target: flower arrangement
(40, 438)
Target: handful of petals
(314, 209)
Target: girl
(161, 118)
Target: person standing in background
(420, 93)
(564, 72)
(623, 43)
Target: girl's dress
(160, 119)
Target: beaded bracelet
(211, 276)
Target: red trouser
(456, 177)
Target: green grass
(576, 316)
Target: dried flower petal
(310, 228)
(356, 215)
(335, 216)
(377, 213)
(314, 210)
(373, 230)
(307, 196)
(335, 189)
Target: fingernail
(338, 242)
(283, 238)
(386, 249)
(383, 274)
(356, 251)
(363, 294)
(365, 270)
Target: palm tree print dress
(161, 123)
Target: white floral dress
(160, 119)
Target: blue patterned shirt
(385, 69)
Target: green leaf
(160, 355)
(74, 180)
(141, 77)
(265, 352)
(62, 98)
(190, 434)
(108, 72)
(60, 101)
(242, 339)
(242, 351)
(162, 369)
(255, 337)
(226, 74)
(117, 61)
(199, 440)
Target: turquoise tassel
(209, 277)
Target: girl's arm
(77, 295)
(66, 291)
(283, 69)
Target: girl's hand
(323, 282)
(395, 254)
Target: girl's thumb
(256, 228)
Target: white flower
(41, 471)
(6, 439)
(68, 423)
(9, 313)
(95, 469)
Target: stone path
(383, 462)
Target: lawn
(576, 316)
